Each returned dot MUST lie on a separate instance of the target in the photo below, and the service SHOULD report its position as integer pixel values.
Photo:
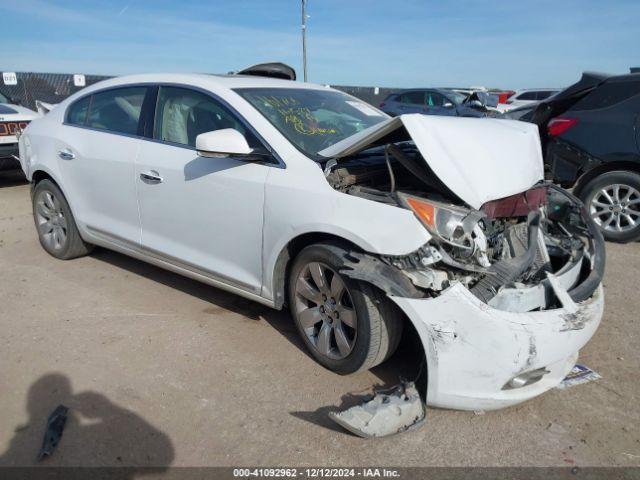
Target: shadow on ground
(12, 178)
(403, 365)
(219, 299)
(97, 432)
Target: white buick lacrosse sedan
(299, 195)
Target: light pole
(304, 39)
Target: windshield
(312, 119)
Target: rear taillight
(518, 205)
(11, 128)
(560, 125)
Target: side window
(544, 94)
(527, 96)
(415, 98)
(183, 114)
(77, 113)
(434, 99)
(117, 110)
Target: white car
(526, 97)
(13, 119)
(296, 194)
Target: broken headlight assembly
(456, 227)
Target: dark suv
(590, 135)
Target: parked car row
(362, 224)
(521, 98)
(441, 101)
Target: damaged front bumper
(478, 356)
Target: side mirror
(448, 105)
(222, 143)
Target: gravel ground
(161, 370)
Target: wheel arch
(41, 174)
(284, 260)
(607, 167)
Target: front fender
(302, 202)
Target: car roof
(627, 77)
(206, 80)
(523, 90)
(408, 90)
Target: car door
(199, 213)
(96, 148)
(435, 104)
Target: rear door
(201, 214)
(96, 151)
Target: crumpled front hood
(479, 159)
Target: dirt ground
(161, 370)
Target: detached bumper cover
(473, 349)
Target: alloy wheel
(51, 221)
(616, 208)
(325, 310)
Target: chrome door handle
(151, 177)
(66, 154)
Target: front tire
(347, 325)
(613, 201)
(55, 224)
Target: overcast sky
(398, 43)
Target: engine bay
(503, 252)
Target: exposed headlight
(444, 221)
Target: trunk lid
(477, 159)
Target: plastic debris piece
(384, 414)
(53, 433)
(579, 374)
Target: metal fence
(24, 88)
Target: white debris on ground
(384, 414)
(579, 374)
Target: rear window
(607, 95)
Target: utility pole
(304, 39)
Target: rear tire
(347, 325)
(613, 201)
(56, 227)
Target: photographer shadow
(98, 433)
